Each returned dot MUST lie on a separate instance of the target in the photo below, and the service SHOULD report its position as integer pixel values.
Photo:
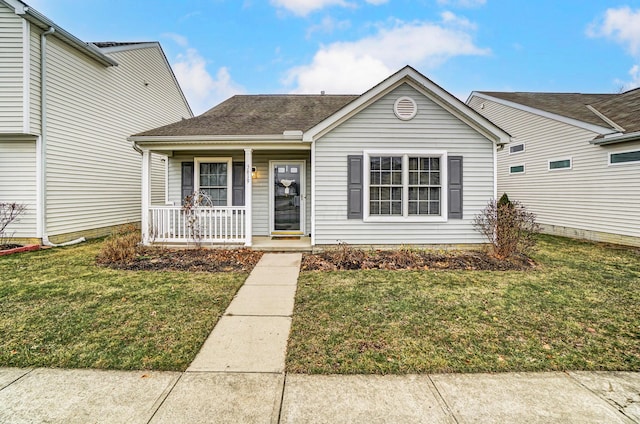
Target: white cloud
(328, 25)
(304, 7)
(352, 67)
(462, 3)
(621, 25)
(634, 72)
(180, 40)
(452, 19)
(202, 90)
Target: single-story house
(66, 110)
(574, 160)
(404, 163)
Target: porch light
(254, 172)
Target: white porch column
(146, 195)
(248, 194)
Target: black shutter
(354, 187)
(455, 187)
(187, 180)
(237, 184)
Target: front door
(287, 198)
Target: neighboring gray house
(66, 110)
(574, 160)
(404, 163)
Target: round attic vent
(405, 108)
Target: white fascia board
(616, 138)
(217, 139)
(570, 121)
(227, 143)
(41, 21)
(126, 47)
(426, 87)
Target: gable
(432, 122)
(428, 88)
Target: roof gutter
(45, 23)
(616, 138)
(286, 136)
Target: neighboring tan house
(574, 160)
(404, 163)
(66, 110)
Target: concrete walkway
(238, 377)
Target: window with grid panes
(385, 185)
(213, 181)
(424, 186)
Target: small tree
(508, 226)
(191, 208)
(9, 212)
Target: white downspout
(43, 143)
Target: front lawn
(578, 310)
(58, 309)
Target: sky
(218, 48)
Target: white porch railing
(172, 224)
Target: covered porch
(259, 197)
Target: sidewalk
(238, 377)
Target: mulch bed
(348, 258)
(206, 260)
(340, 258)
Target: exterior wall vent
(405, 108)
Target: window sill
(371, 218)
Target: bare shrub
(192, 210)
(120, 247)
(9, 212)
(508, 226)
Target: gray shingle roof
(570, 105)
(623, 109)
(103, 44)
(258, 115)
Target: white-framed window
(405, 185)
(213, 176)
(516, 169)
(516, 148)
(621, 158)
(560, 164)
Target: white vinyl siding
(93, 173)
(18, 165)
(260, 198)
(11, 72)
(158, 179)
(592, 197)
(34, 83)
(377, 127)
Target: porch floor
(275, 244)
